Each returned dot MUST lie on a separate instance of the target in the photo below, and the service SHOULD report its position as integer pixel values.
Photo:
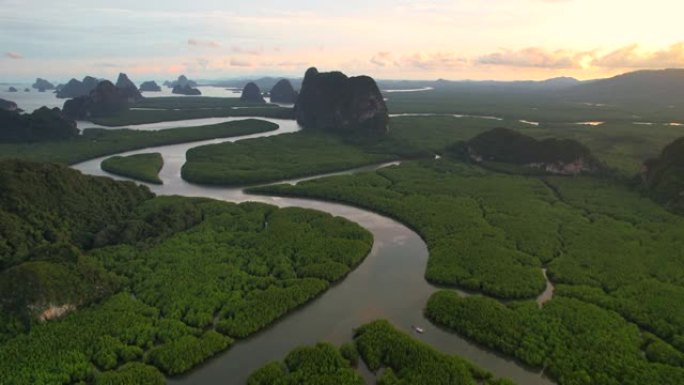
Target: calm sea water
(32, 100)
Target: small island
(252, 94)
(75, 88)
(181, 81)
(186, 90)
(283, 92)
(42, 85)
(149, 86)
(105, 100)
(142, 167)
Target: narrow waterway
(389, 284)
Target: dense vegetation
(283, 157)
(612, 253)
(43, 204)
(143, 167)
(664, 176)
(622, 146)
(95, 142)
(403, 359)
(310, 153)
(463, 221)
(319, 364)
(191, 275)
(530, 106)
(143, 116)
(303, 154)
(43, 124)
(576, 342)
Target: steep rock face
(664, 176)
(124, 82)
(42, 124)
(251, 94)
(150, 86)
(43, 85)
(282, 92)
(75, 88)
(128, 88)
(105, 100)
(334, 102)
(8, 105)
(185, 90)
(562, 157)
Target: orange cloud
(240, 63)
(383, 59)
(534, 57)
(433, 61)
(631, 57)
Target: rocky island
(75, 88)
(127, 88)
(283, 92)
(334, 102)
(252, 94)
(181, 81)
(185, 90)
(43, 85)
(150, 86)
(105, 100)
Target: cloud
(203, 43)
(14, 55)
(533, 57)
(240, 63)
(632, 57)
(241, 50)
(433, 61)
(419, 60)
(383, 59)
(292, 64)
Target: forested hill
(664, 176)
(42, 203)
(557, 156)
(662, 87)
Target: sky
(386, 39)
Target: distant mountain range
(664, 87)
(634, 87)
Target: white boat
(417, 329)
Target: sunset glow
(409, 39)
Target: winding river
(389, 283)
